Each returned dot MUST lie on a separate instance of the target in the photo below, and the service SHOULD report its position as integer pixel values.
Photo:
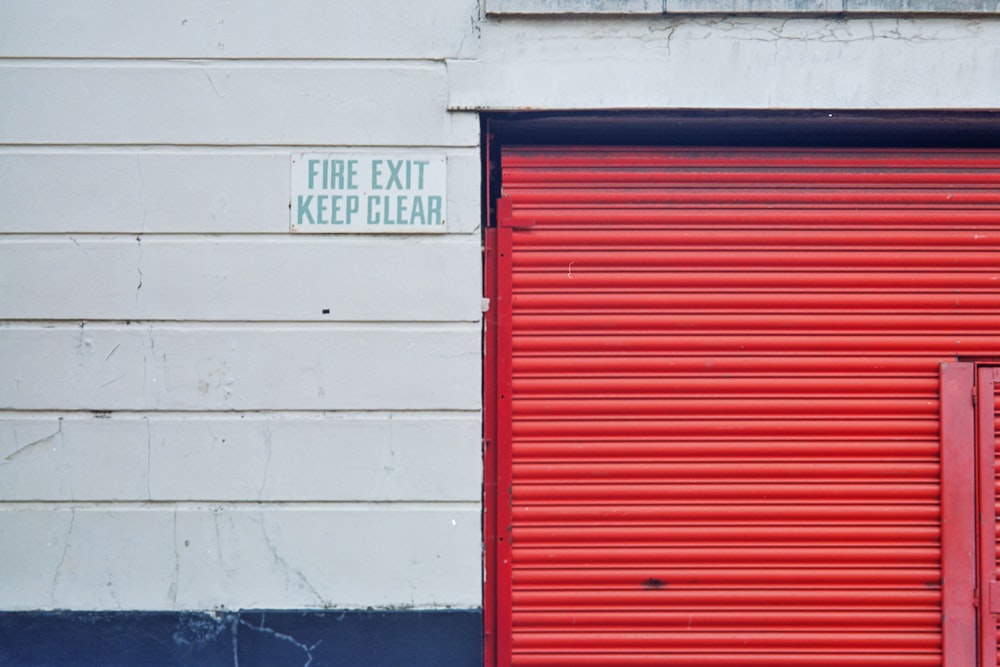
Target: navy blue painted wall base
(241, 639)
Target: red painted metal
(489, 415)
(988, 390)
(504, 412)
(489, 451)
(958, 512)
(750, 218)
(718, 415)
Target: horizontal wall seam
(174, 325)
(242, 506)
(333, 415)
(284, 147)
(235, 237)
(20, 61)
(209, 150)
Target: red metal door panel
(958, 514)
(988, 397)
(717, 400)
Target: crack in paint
(149, 456)
(235, 631)
(111, 382)
(57, 576)
(146, 359)
(142, 226)
(177, 566)
(840, 31)
(114, 596)
(390, 467)
(289, 570)
(267, 461)
(218, 538)
(138, 268)
(211, 81)
(308, 650)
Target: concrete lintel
(808, 7)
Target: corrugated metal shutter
(989, 480)
(717, 400)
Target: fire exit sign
(368, 193)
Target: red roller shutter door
(717, 400)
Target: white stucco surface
(731, 62)
(200, 410)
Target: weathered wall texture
(732, 62)
(197, 409)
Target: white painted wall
(182, 426)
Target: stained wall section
(771, 57)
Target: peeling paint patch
(199, 630)
(34, 448)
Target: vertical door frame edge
(490, 433)
(958, 514)
(986, 381)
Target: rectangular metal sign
(369, 193)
